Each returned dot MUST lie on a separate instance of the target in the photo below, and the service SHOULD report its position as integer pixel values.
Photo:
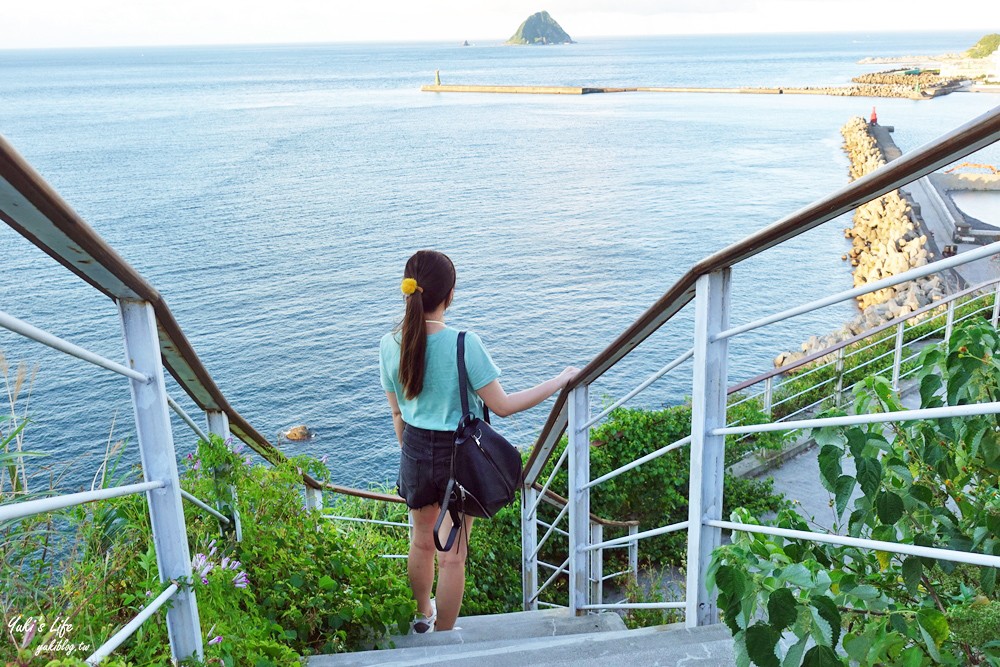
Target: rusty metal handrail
(978, 133)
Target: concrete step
(515, 625)
(662, 645)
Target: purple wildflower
(212, 549)
(248, 460)
(240, 580)
(197, 464)
(204, 580)
(324, 459)
(215, 640)
(225, 562)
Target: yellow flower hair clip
(409, 286)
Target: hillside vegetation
(984, 47)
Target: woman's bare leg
(451, 575)
(420, 564)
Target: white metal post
(708, 412)
(996, 306)
(314, 498)
(768, 389)
(159, 462)
(839, 395)
(579, 498)
(596, 565)
(218, 423)
(897, 357)
(529, 542)
(633, 551)
(949, 320)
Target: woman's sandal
(424, 624)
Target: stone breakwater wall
(894, 78)
(885, 241)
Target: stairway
(550, 637)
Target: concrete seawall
(857, 90)
(887, 238)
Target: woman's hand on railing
(567, 376)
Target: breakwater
(855, 90)
(886, 239)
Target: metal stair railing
(153, 341)
(708, 284)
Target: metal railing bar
(672, 528)
(804, 391)
(21, 327)
(876, 418)
(639, 461)
(636, 605)
(746, 398)
(548, 566)
(31, 507)
(635, 392)
(845, 541)
(548, 533)
(799, 376)
(544, 490)
(394, 556)
(186, 418)
(108, 647)
(559, 531)
(560, 570)
(856, 351)
(554, 499)
(871, 361)
(810, 358)
(616, 574)
(804, 408)
(919, 272)
(360, 520)
(551, 605)
(211, 510)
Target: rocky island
(540, 28)
(981, 62)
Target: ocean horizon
(272, 194)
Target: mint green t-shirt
(438, 407)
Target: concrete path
(799, 479)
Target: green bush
(296, 585)
(929, 483)
(655, 493)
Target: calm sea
(273, 193)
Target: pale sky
(61, 23)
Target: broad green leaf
(762, 639)
(912, 657)
(884, 558)
(889, 507)
(865, 592)
(781, 609)
(740, 649)
(797, 575)
(856, 439)
(827, 608)
(929, 386)
(988, 579)
(869, 475)
(932, 648)
(898, 623)
(857, 647)
(934, 622)
(821, 629)
(829, 466)
(793, 656)
(921, 493)
(844, 488)
(327, 583)
(912, 571)
(821, 656)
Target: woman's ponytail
(428, 280)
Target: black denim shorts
(424, 465)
